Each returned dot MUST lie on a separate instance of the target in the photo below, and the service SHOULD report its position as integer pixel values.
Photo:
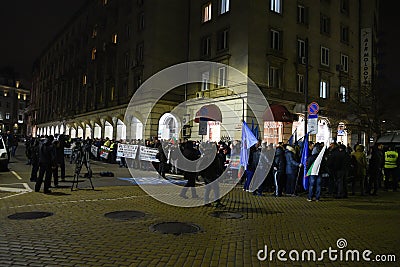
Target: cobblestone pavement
(78, 233)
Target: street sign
(312, 124)
(313, 108)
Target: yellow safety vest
(391, 159)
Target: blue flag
(255, 132)
(292, 138)
(248, 140)
(304, 157)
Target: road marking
(21, 193)
(16, 175)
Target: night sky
(28, 26)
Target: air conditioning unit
(339, 67)
(199, 94)
(303, 60)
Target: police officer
(391, 157)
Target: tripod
(82, 158)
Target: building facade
(296, 52)
(14, 102)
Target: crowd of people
(343, 170)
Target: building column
(114, 125)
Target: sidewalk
(78, 233)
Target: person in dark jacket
(254, 158)
(376, 164)
(210, 175)
(339, 163)
(46, 161)
(292, 168)
(279, 166)
(34, 153)
(191, 154)
(162, 166)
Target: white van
(3, 156)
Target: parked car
(3, 156)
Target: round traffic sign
(313, 108)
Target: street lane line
(16, 175)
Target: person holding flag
(314, 163)
(248, 140)
(304, 157)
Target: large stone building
(14, 100)
(297, 52)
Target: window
(141, 21)
(223, 39)
(205, 81)
(206, 46)
(7, 104)
(126, 61)
(114, 38)
(94, 51)
(128, 31)
(112, 93)
(301, 51)
(224, 6)
(94, 32)
(19, 96)
(301, 14)
(323, 89)
(344, 62)
(325, 25)
(275, 39)
(274, 79)
(344, 6)
(276, 6)
(343, 94)
(7, 116)
(139, 52)
(105, 2)
(300, 83)
(324, 56)
(222, 77)
(344, 34)
(24, 97)
(206, 12)
(20, 118)
(138, 80)
(84, 80)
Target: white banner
(94, 150)
(127, 151)
(67, 151)
(366, 56)
(148, 154)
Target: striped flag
(314, 168)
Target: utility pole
(306, 89)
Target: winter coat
(291, 164)
(279, 162)
(361, 161)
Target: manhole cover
(30, 215)
(226, 215)
(175, 228)
(125, 215)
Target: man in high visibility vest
(391, 157)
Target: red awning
(278, 113)
(209, 113)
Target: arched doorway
(121, 130)
(80, 132)
(324, 131)
(73, 132)
(136, 129)
(88, 131)
(108, 130)
(97, 131)
(62, 129)
(168, 127)
(56, 131)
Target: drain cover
(29, 215)
(226, 215)
(125, 215)
(175, 228)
